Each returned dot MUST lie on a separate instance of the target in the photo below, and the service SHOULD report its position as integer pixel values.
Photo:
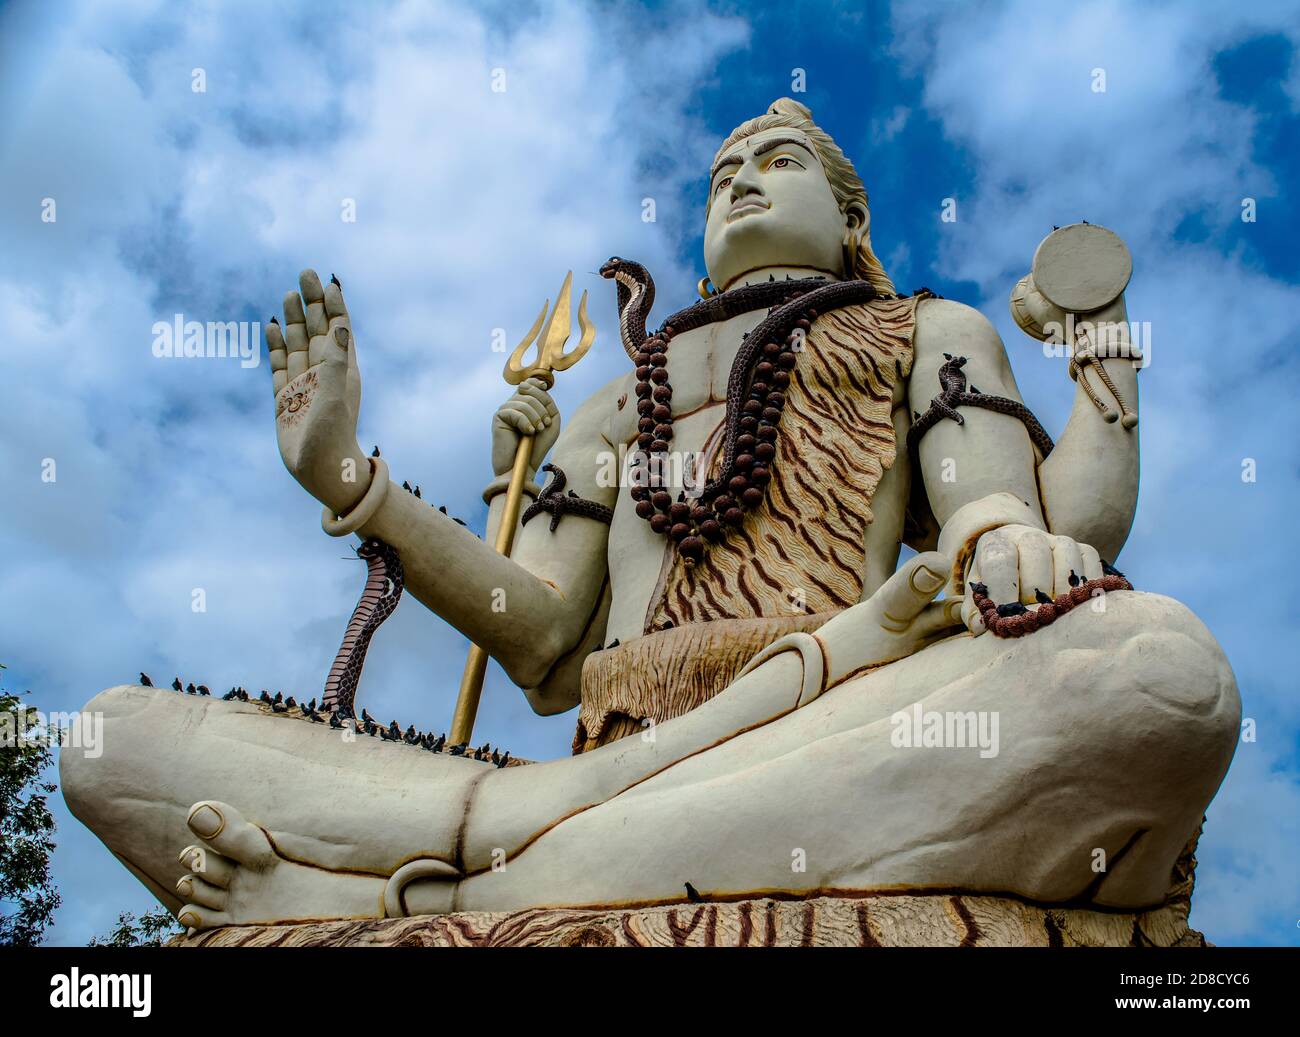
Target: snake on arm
(379, 597)
(955, 394)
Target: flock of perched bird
(341, 719)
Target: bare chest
(699, 366)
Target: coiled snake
(953, 383)
(379, 598)
(553, 501)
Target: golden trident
(551, 357)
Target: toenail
(185, 887)
(189, 919)
(207, 822)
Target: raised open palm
(318, 393)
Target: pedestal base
(890, 920)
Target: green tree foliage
(151, 929)
(27, 897)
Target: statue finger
(534, 390)
(999, 566)
(1091, 562)
(535, 411)
(334, 305)
(313, 296)
(1067, 565)
(332, 346)
(293, 311)
(905, 595)
(1034, 550)
(223, 829)
(297, 364)
(970, 615)
(515, 418)
(535, 387)
(337, 314)
(295, 336)
(278, 354)
(939, 618)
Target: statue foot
(237, 877)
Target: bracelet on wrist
(364, 510)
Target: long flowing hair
(846, 185)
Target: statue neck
(762, 274)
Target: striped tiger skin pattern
(804, 546)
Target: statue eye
(780, 163)
(723, 183)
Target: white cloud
(886, 128)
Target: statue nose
(741, 189)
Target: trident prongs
(553, 337)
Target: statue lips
(747, 206)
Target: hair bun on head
(789, 106)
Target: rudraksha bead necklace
(692, 523)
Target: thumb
(337, 345)
(907, 593)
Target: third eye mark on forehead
(760, 149)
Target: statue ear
(857, 217)
(856, 221)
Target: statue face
(771, 205)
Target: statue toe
(224, 829)
(194, 890)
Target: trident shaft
(551, 357)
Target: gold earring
(851, 244)
(705, 287)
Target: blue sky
(472, 204)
